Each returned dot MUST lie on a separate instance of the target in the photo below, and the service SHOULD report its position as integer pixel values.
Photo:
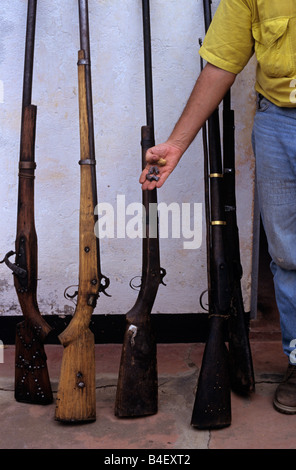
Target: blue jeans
(274, 144)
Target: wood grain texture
(32, 384)
(78, 403)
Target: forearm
(208, 92)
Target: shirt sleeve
(229, 43)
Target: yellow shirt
(267, 27)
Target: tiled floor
(255, 424)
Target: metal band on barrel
(87, 161)
(27, 166)
(216, 175)
(218, 222)
(83, 62)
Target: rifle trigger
(201, 301)
(17, 270)
(162, 275)
(104, 285)
(134, 286)
(70, 297)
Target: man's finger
(148, 185)
(143, 176)
(151, 158)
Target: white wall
(119, 111)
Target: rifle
(241, 364)
(222, 368)
(212, 406)
(32, 384)
(76, 400)
(137, 388)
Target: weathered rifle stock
(137, 388)
(32, 384)
(222, 368)
(76, 400)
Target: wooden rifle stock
(76, 399)
(241, 364)
(32, 384)
(137, 388)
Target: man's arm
(208, 92)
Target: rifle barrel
(207, 13)
(85, 46)
(29, 52)
(148, 64)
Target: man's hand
(208, 91)
(163, 156)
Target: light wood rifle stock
(76, 399)
(32, 384)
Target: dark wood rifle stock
(212, 406)
(241, 364)
(32, 384)
(76, 399)
(137, 388)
